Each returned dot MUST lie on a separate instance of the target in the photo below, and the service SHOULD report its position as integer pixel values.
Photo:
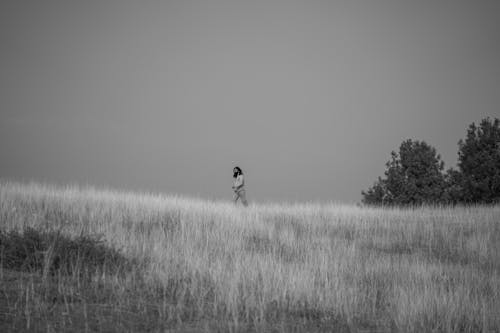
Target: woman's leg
(235, 197)
(243, 197)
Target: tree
(453, 191)
(479, 162)
(414, 176)
(375, 195)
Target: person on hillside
(239, 186)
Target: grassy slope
(209, 265)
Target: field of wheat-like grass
(83, 259)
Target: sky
(307, 97)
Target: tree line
(416, 175)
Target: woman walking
(239, 186)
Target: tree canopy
(415, 176)
(479, 163)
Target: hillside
(82, 259)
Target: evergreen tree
(375, 195)
(413, 176)
(479, 163)
(453, 192)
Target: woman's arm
(238, 183)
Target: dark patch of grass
(168, 223)
(68, 284)
(376, 289)
(264, 245)
(395, 248)
(337, 232)
(51, 252)
(449, 248)
(258, 243)
(289, 222)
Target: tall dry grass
(203, 265)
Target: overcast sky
(308, 97)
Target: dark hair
(238, 171)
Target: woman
(238, 186)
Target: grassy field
(82, 259)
